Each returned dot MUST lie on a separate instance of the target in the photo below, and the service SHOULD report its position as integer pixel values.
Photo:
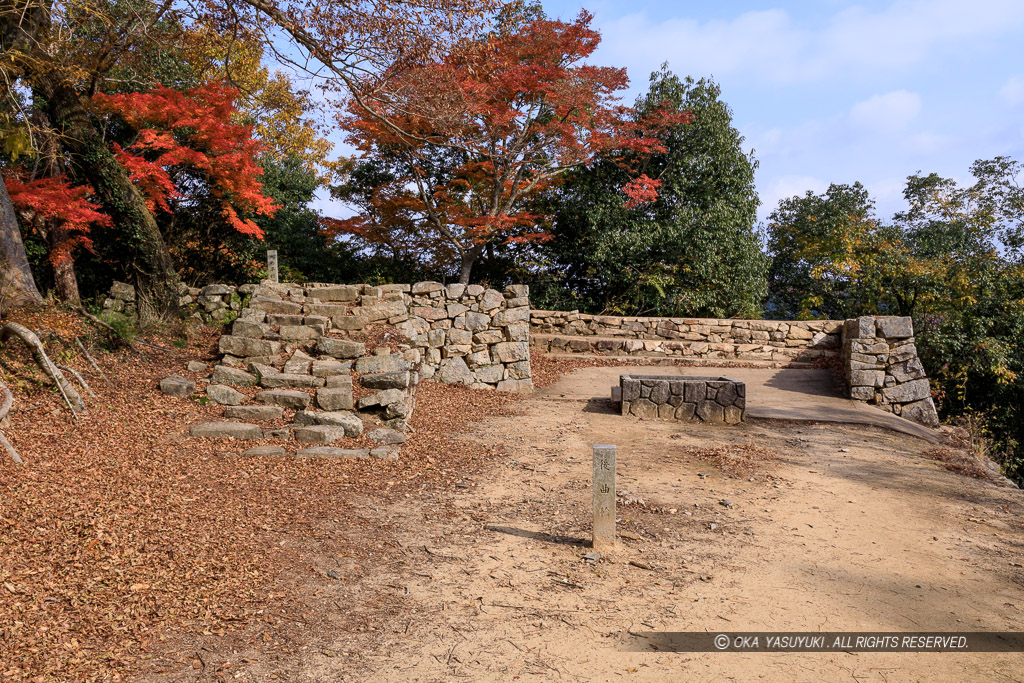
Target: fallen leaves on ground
(120, 531)
(737, 461)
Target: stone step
(688, 361)
(759, 351)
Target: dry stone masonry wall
(781, 342)
(882, 368)
(212, 304)
(686, 398)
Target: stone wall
(212, 304)
(882, 368)
(462, 334)
(696, 338)
(686, 398)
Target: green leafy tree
(832, 258)
(693, 251)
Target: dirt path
(847, 528)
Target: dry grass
(738, 461)
(959, 461)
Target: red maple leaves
(470, 138)
(191, 131)
(55, 202)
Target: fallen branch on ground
(28, 337)
(92, 361)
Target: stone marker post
(272, 265)
(604, 498)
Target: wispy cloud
(770, 46)
(888, 113)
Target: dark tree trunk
(17, 286)
(469, 257)
(145, 253)
(65, 283)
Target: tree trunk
(17, 286)
(64, 280)
(145, 253)
(469, 257)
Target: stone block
(386, 380)
(333, 453)
(178, 386)
(122, 291)
(378, 364)
(323, 434)
(908, 392)
(894, 328)
(489, 374)
(859, 328)
(474, 290)
(279, 306)
(285, 398)
(460, 337)
(641, 407)
(257, 413)
(335, 399)
(387, 436)
(337, 381)
(340, 348)
(456, 350)
(491, 300)
(427, 287)
(907, 370)
(867, 378)
(382, 398)
(225, 395)
(512, 315)
(455, 371)
(223, 374)
(478, 358)
(517, 291)
(922, 412)
(517, 370)
(709, 411)
(488, 337)
(246, 346)
(299, 333)
(227, 430)
(477, 321)
(336, 293)
(350, 323)
(429, 313)
(385, 452)
(862, 393)
(517, 332)
(248, 328)
(518, 386)
(284, 380)
(510, 352)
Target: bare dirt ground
(821, 527)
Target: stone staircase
(335, 368)
(292, 375)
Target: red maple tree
(453, 150)
(52, 204)
(191, 131)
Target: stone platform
(688, 398)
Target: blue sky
(826, 91)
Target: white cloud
(1012, 91)
(888, 113)
(770, 46)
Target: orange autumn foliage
(191, 131)
(54, 201)
(463, 143)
